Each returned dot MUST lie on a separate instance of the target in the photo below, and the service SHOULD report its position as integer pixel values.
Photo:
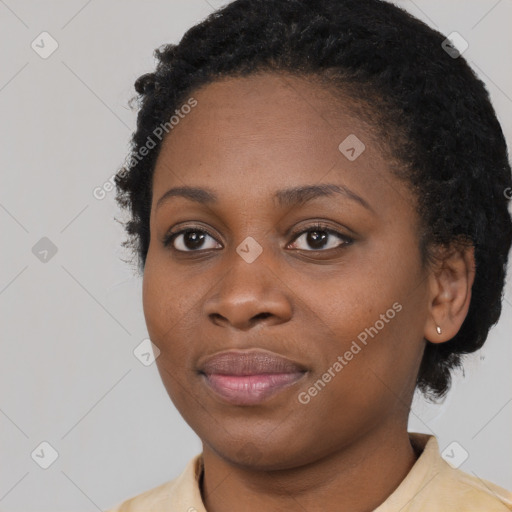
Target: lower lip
(250, 389)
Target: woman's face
(346, 303)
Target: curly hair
(431, 110)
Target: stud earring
(438, 329)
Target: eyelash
(346, 240)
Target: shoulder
(444, 487)
(153, 499)
(180, 493)
(458, 488)
(433, 485)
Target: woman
(318, 199)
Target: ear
(451, 280)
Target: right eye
(189, 240)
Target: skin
(348, 448)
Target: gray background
(69, 325)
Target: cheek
(168, 312)
(374, 316)
(168, 303)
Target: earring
(438, 329)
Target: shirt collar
(187, 490)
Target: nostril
(262, 315)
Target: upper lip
(248, 362)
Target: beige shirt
(432, 485)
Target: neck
(358, 477)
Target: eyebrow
(286, 197)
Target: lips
(249, 377)
(249, 363)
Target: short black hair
(445, 132)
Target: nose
(249, 294)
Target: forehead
(265, 132)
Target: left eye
(320, 238)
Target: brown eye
(190, 240)
(319, 238)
